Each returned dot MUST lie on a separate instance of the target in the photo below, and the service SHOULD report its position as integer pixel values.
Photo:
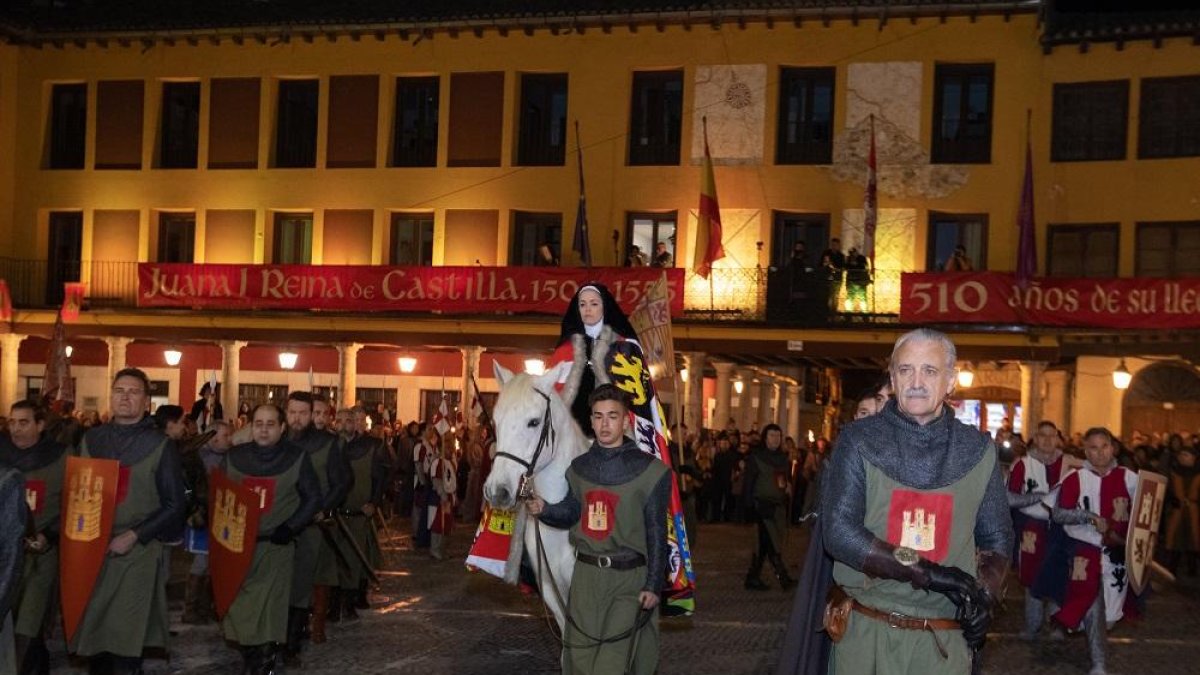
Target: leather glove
(951, 582)
(975, 615)
(282, 535)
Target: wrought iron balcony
(809, 298)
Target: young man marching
(617, 512)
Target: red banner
(377, 288)
(73, 294)
(994, 297)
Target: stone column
(116, 356)
(1031, 394)
(1057, 408)
(470, 367)
(10, 364)
(793, 413)
(746, 413)
(694, 391)
(348, 372)
(766, 395)
(231, 368)
(724, 390)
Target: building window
(415, 136)
(431, 400)
(1089, 121)
(260, 394)
(655, 118)
(1168, 249)
(948, 232)
(644, 232)
(1169, 113)
(296, 124)
(809, 229)
(68, 126)
(962, 114)
(412, 239)
(543, 136)
(179, 133)
(476, 119)
(536, 239)
(64, 255)
(293, 238)
(176, 237)
(119, 116)
(805, 133)
(1082, 250)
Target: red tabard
(1032, 538)
(599, 515)
(35, 496)
(1086, 574)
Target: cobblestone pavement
(434, 617)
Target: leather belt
(905, 622)
(624, 561)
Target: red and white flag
(441, 420)
(870, 202)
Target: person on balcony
(833, 264)
(662, 257)
(858, 278)
(636, 257)
(958, 261)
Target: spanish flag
(708, 225)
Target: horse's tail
(512, 567)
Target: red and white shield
(1143, 528)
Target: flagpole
(712, 303)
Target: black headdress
(614, 317)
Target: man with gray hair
(918, 525)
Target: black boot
(786, 582)
(32, 655)
(249, 659)
(335, 605)
(270, 663)
(348, 597)
(360, 599)
(753, 582)
(100, 664)
(297, 619)
(126, 665)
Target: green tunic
(604, 602)
(36, 596)
(128, 608)
(316, 563)
(770, 494)
(870, 646)
(259, 613)
(352, 574)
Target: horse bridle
(525, 486)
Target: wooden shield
(1144, 518)
(232, 533)
(89, 504)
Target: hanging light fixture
(287, 360)
(172, 356)
(70, 350)
(966, 376)
(535, 366)
(1121, 376)
(683, 375)
(407, 364)
(738, 386)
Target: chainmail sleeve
(843, 505)
(655, 514)
(563, 514)
(1071, 516)
(1020, 501)
(993, 521)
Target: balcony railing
(757, 295)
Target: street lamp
(738, 386)
(172, 356)
(535, 366)
(70, 350)
(407, 364)
(966, 376)
(287, 360)
(683, 375)
(1122, 376)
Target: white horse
(524, 405)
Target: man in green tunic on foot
(916, 520)
(282, 476)
(127, 611)
(765, 491)
(617, 511)
(316, 564)
(369, 465)
(42, 461)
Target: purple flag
(871, 202)
(1026, 246)
(580, 244)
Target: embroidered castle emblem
(599, 516)
(501, 522)
(229, 521)
(919, 529)
(35, 495)
(1029, 542)
(84, 504)
(1121, 509)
